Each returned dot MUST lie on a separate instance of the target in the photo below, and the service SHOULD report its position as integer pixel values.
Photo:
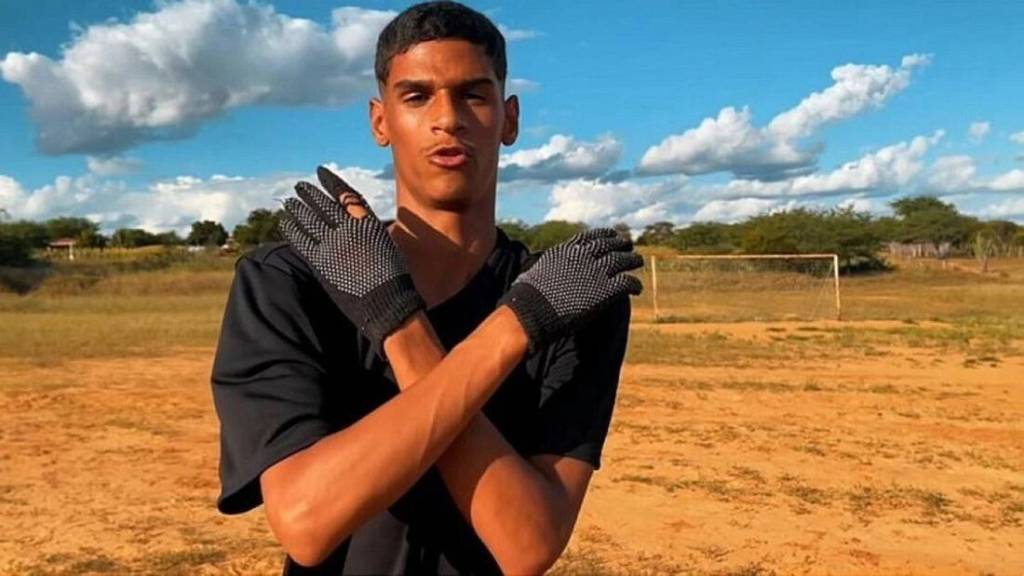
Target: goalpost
(738, 287)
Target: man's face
(443, 114)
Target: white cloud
(862, 204)
(734, 210)
(1008, 209)
(12, 194)
(951, 174)
(856, 88)
(977, 131)
(731, 143)
(958, 175)
(1017, 137)
(607, 203)
(1009, 181)
(522, 86)
(112, 165)
(517, 34)
(163, 73)
(912, 60)
(885, 169)
(562, 157)
(175, 203)
(880, 173)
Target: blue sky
(157, 114)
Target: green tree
(657, 234)
(706, 238)
(516, 230)
(622, 229)
(905, 207)
(34, 234)
(15, 247)
(927, 219)
(887, 228)
(845, 232)
(854, 237)
(985, 245)
(1018, 243)
(133, 238)
(169, 238)
(71, 227)
(1003, 233)
(207, 233)
(780, 233)
(91, 239)
(545, 235)
(260, 227)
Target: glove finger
(627, 284)
(352, 199)
(325, 206)
(602, 246)
(295, 235)
(333, 183)
(338, 188)
(314, 225)
(591, 235)
(619, 262)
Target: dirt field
(861, 447)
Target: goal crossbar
(833, 257)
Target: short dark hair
(435, 21)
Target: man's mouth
(450, 156)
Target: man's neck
(443, 249)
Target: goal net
(739, 287)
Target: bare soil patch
(908, 460)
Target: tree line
(857, 237)
(20, 238)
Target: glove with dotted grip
(572, 283)
(354, 258)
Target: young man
(423, 396)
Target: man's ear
(377, 125)
(510, 130)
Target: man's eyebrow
(422, 85)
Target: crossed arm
(522, 510)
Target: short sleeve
(268, 381)
(579, 387)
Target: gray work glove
(572, 283)
(354, 258)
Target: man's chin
(455, 197)
(452, 202)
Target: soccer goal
(741, 287)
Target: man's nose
(448, 113)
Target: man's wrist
(413, 348)
(537, 319)
(515, 334)
(389, 306)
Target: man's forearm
(515, 509)
(319, 496)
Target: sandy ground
(899, 463)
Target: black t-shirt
(290, 369)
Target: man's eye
(477, 97)
(414, 98)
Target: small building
(63, 245)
